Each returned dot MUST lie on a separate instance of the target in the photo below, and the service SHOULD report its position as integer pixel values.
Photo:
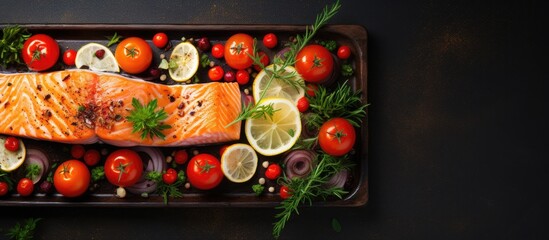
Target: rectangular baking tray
(227, 194)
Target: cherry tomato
(229, 76)
(264, 59)
(218, 50)
(303, 104)
(71, 178)
(237, 50)
(216, 73)
(314, 63)
(69, 57)
(123, 167)
(181, 157)
(77, 151)
(170, 176)
(242, 77)
(270, 40)
(204, 171)
(273, 171)
(12, 144)
(92, 157)
(311, 89)
(160, 40)
(4, 188)
(285, 192)
(336, 137)
(25, 187)
(344, 52)
(40, 52)
(133, 55)
(222, 149)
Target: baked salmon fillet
(82, 107)
(197, 113)
(46, 106)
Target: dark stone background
(458, 127)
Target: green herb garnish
(113, 39)
(204, 60)
(97, 173)
(331, 45)
(32, 171)
(11, 44)
(167, 190)
(258, 189)
(147, 120)
(347, 70)
(25, 231)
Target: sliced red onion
(338, 180)
(280, 54)
(35, 156)
(299, 163)
(155, 163)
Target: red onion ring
(299, 163)
(35, 156)
(338, 180)
(155, 163)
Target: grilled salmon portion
(197, 113)
(46, 106)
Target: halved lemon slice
(278, 87)
(186, 57)
(9, 160)
(86, 56)
(273, 135)
(239, 162)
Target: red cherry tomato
(40, 52)
(4, 188)
(336, 137)
(181, 157)
(204, 171)
(242, 77)
(25, 187)
(264, 59)
(237, 51)
(71, 178)
(218, 50)
(123, 167)
(216, 73)
(314, 63)
(270, 40)
(285, 192)
(344, 52)
(311, 89)
(69, 57)
(12, 144)
(303, 104)
(170, 176)
(273, 171)
(160, 40)
(77, 151)
(92, 157)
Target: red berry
(303, 104)
(270, 40)
(92, 157)
(229, 76)
(343, 52)
(218, 50)
(181, 156)
(77, 151)
(100, 54)
(204, 44)
(242, 77)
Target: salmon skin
(83, 107)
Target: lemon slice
(9, 160)
(274, 135)
(86, 57)
(239, 162)
(186, 57)
(278, 87)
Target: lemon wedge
(186, 57)
(86, 56)
(278, 87)
(9, 160)
(239, 162)
(273, 135)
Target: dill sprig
(147, 120)
(23, 231)
(280, 64)
(342, 102)
(305, 190)
(11, 44)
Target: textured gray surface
(457, 123)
